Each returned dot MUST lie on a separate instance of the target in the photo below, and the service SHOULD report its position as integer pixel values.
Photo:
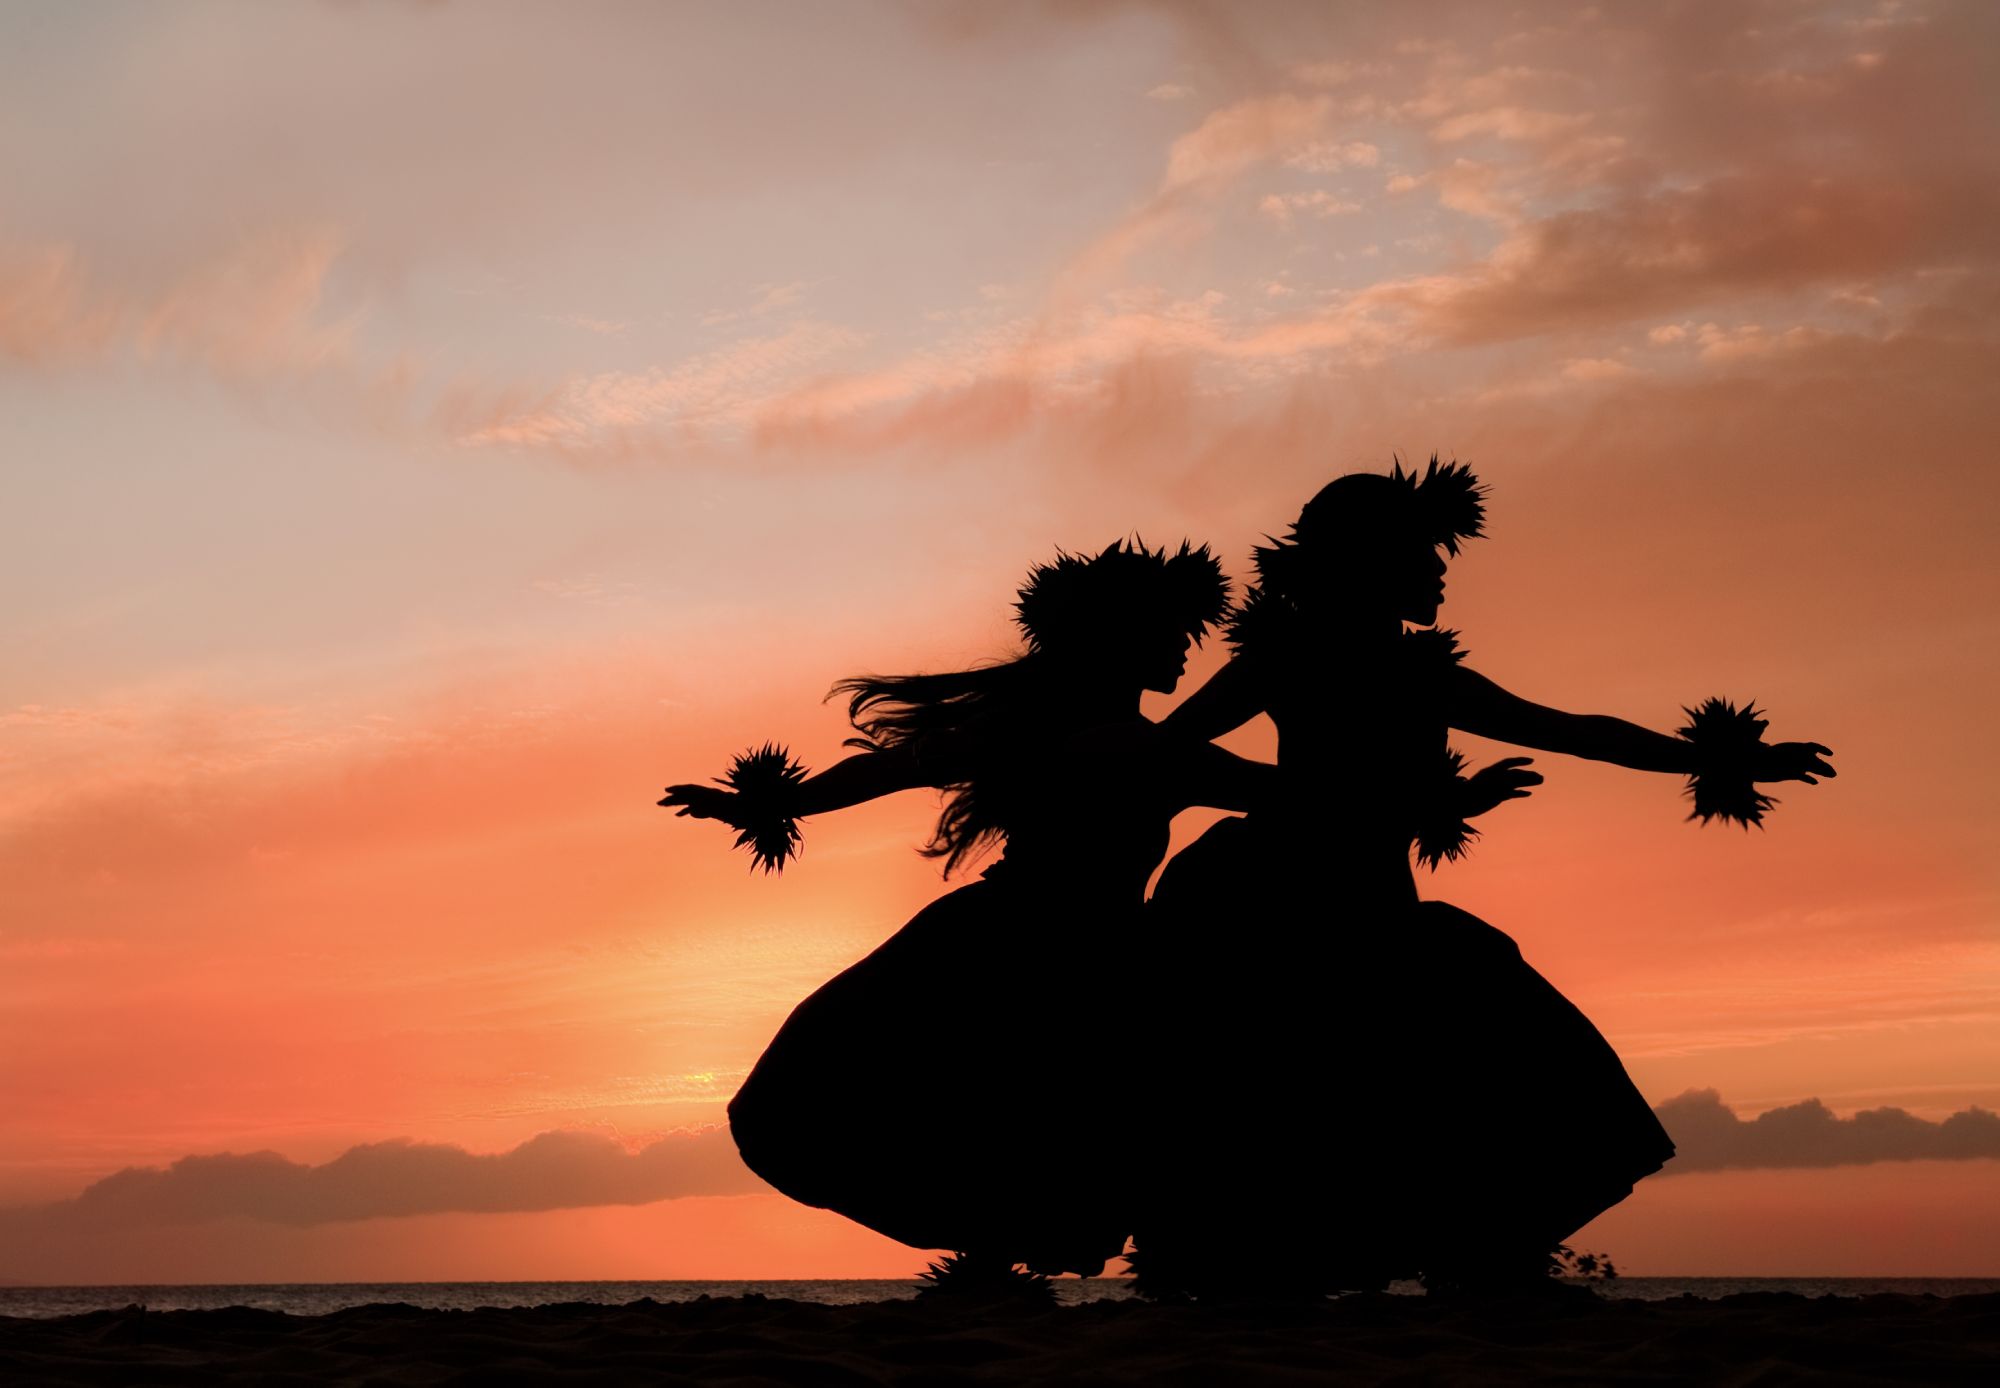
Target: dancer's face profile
(1419, 583)
(1385, 575)
(1161, 659)
(1141, 656)
(1362, 551)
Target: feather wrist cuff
(1442, 834)
(1726, 741)
(765, 813)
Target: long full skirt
(943, 1090)
(1370, 1086)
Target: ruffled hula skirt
(1369, 1086)
(929, 1092)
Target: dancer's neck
(1107, 703)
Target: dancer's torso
(1089, 814)
(1361, 740)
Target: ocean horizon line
(20, 1301)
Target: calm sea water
(316, 1299)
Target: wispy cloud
(1331, 156)
(713, 397)
(1634, 257)
(1282, 207)
(1510, 123)
(603, 327)
(1200, 165)
(769, 299)
(252, 312)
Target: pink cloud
(1635, 256)
(1596, 369)
(1330, 156)
(711, 397)
(1235, 138)
(1510, 123)
(48, 310)
(1282, 207)
(1200, 165)
(251, 312)
(1473, 188)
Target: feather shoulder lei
(1726, 741)
(1264, 623)
(765, 813)
(1433, 650)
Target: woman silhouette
(921, 1091)
(1416, 1098)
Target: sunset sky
(430, 428)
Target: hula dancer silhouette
(1413, 1097)
(916, 1092)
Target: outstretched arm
(861, 777)
(849, 781)
(1232, 696)
(1478, 706)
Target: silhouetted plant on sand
(1177, 1274)
(978, 1277)
(1156, 1278)
(1575, 1265)
(1561, 1268)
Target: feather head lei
(1440, 506)
(1366, 515)
(1449, 503)
(765, 813)
(1726, 741)
(1071, 603)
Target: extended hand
(1792, 761)
(1488, 787)
(700, 802)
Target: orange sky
(430, 432)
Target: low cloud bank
(571, 1170)
(552, 1171)
(1712, 1138)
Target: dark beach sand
(1763, 1338)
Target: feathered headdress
(1448, 501)
(1441, 506)
(1070, 603)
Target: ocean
(318, 1299)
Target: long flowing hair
(965, 728)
